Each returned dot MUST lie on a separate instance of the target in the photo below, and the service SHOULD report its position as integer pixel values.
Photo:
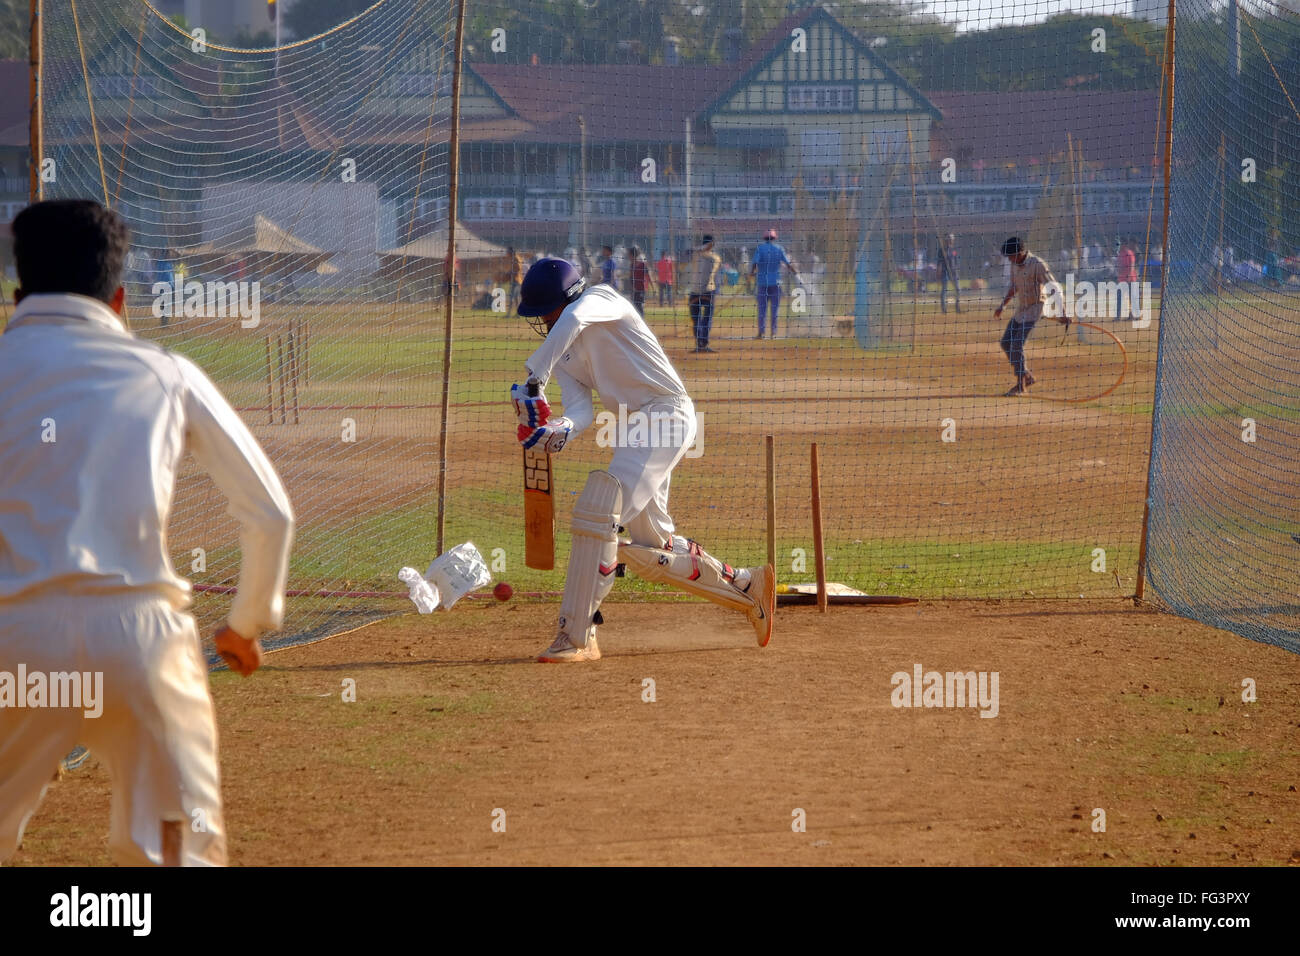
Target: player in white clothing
(596, 342)
(94, 428)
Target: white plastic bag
(456, 573)
(424, 594)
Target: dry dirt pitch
(1099, 708)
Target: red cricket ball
(503, 592)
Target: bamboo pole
(279, 372)
(1140, 589)
(449, 270)
(918, 278)
(819, 549)
(771, 500)
(270, 386)
(36, 126)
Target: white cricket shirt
(601, 344)
(87, 512)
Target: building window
(820, 147)
(415, 84)
(493, 208)
(435, 208)
(120, 87)
(540, 208)
(819, 99)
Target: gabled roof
(14, 104)
(774, 43)
(1115, 129)
(618, 102)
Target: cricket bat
(539, 505)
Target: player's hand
(531, 410)
(240, 654)
(548, 438)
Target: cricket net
(1224, 534)
(892, 148)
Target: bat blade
(539, 511)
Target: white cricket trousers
(156, 734)
(645, 470)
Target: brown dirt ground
(1101, 706)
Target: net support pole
(819, 547)
(449, 269)
(770, 445)
(1140, 588)
(35, 132)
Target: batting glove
(531, 410)
(549, 438)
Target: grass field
(1103, 706)
(1017, 504)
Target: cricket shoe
(762, 591)
(564, 651)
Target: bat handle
(534, 388)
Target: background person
(664, 267)
(948, 273)
(766, 269)
(703, 291)
(1029, 278)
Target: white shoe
(564, 651)
(762, 591)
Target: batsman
(597, 342)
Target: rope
(90, 103)
(1245, 18)
(266, 49)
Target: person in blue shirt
(608, 268)
(768, 259)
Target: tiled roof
(1114, 128)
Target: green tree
(317, 16)
(14, 29)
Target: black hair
(71, 246)
(1013, 247)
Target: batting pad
(594, 555)
(685, 565)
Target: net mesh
(1224, 514)
(891, 149)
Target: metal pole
(582, 181)
(35, 134)
(449, 271)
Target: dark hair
(1012, 247)
(70, 245)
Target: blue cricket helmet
(549, 285)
